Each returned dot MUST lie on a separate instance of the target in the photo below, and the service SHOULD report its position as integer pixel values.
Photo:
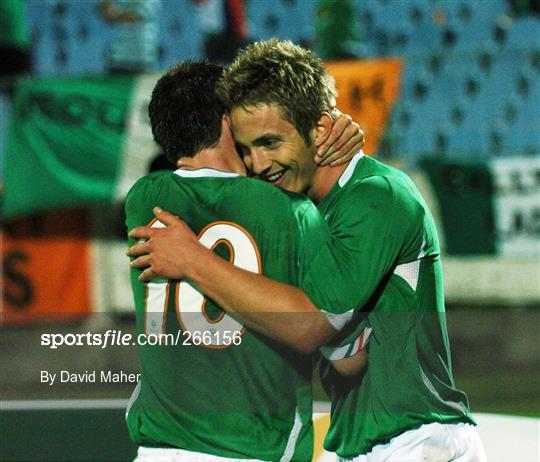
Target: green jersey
(222, 389)
(384, 247)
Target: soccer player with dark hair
(378, 278)
(211, 389)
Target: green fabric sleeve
(366, 238)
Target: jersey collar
(204, 173)
(347, 173)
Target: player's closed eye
(270, 143)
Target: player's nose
(259, 162)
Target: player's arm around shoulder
(304, 326)
(278, 310)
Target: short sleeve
(362, 248)
(350, 340)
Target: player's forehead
(250, 123)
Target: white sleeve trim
(409, 272)
(346, 351)
(338, 320)
(348, 172)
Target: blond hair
(276, 72)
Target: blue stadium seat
(40, 25)
(70, 37)
(91, 38)
(470, 141)
(423, 37)
(524, 32)
(282, 19)
(524, 126)
(181, 36)
(486, 13)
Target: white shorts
(181, 455)
(433, 442)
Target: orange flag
(45, 269)
(367, 91)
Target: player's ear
(323, 128)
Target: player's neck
(209, 158)
(323, 181)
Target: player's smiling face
(272, 148)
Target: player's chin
(286, 185)
(289, 182)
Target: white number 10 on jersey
(190, 303)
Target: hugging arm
(343, 142)
(277, 310)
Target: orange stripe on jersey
(241, 228)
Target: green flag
(71, 141)
(488, 207)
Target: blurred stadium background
(447, 90)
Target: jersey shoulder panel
(147, 190)
(148, 181)
(386, 186)
(402, 200)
